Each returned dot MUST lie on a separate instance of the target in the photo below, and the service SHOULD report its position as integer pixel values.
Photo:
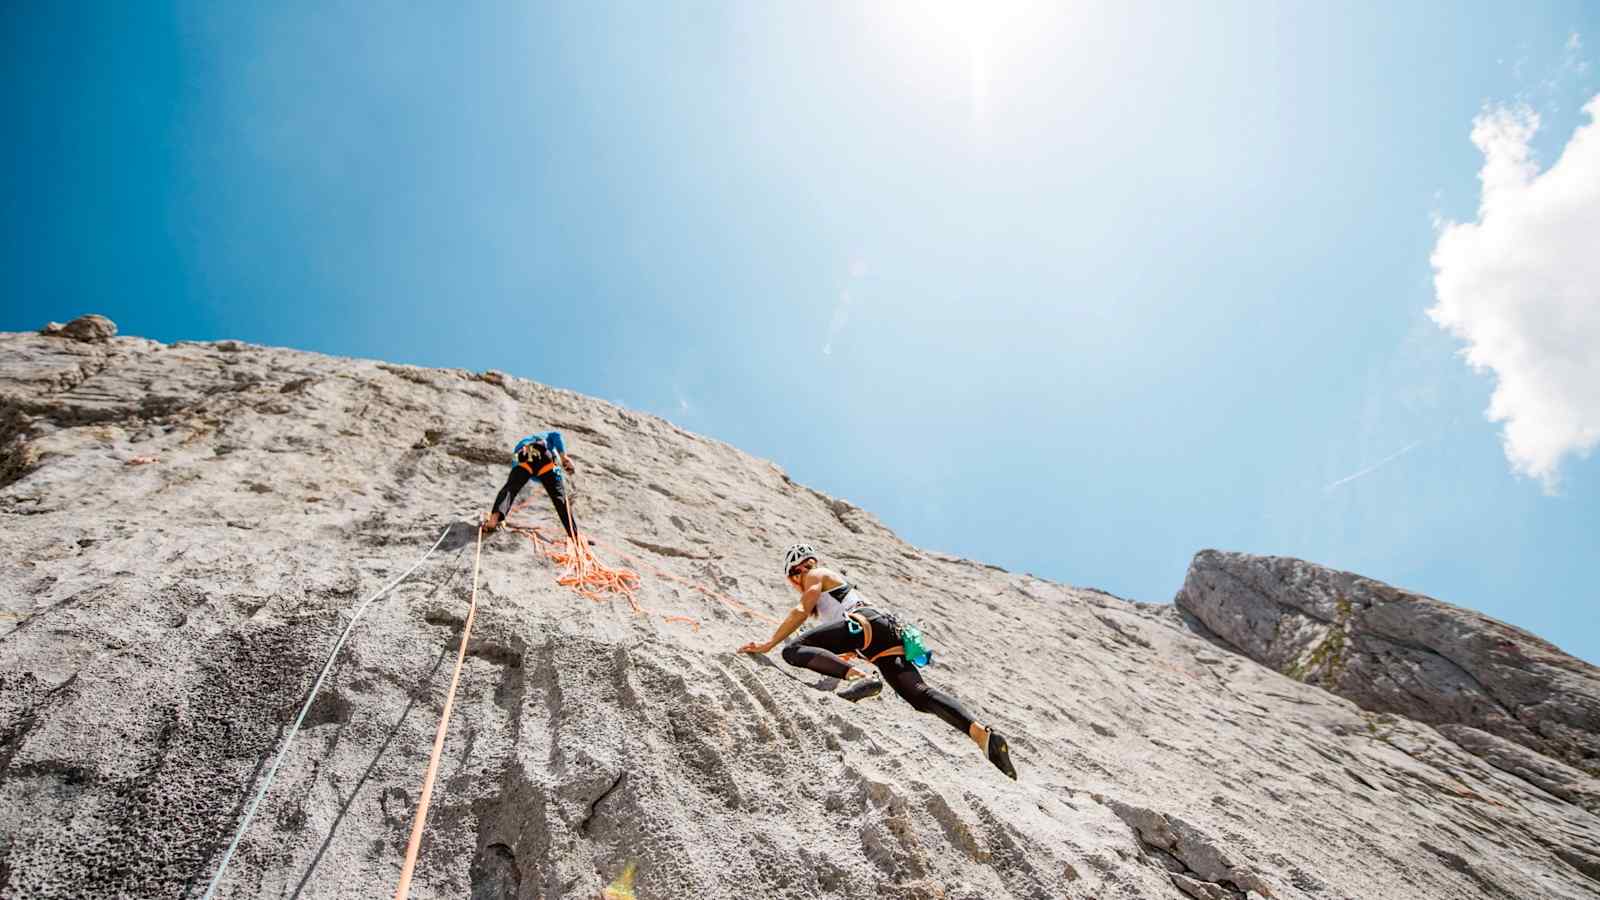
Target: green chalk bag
(911, 640)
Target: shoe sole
(864, 694)
(1000, 755)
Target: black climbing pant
(818, 651)
(555, 485)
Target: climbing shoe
(862, 689)
(1000, 755)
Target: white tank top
(832, 605)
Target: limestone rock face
(185, 529)
(90, 329)
(1487, 685)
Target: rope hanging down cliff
(244, 824)
(412, 846)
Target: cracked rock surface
(187, 528)
(1497, 691)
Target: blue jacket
(521, 474)
(552, 439)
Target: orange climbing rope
(410, 864)
(584, 573)
(581, 570)
(715, 595)
(588, 577)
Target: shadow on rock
(825, 685)
(365, 775)
(462, 534)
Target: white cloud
(1521, 286)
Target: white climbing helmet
(797, 554)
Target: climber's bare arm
(795, 618)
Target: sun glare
(958, 37)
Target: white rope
(216, 880)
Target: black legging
(818, 651)
(554, 484)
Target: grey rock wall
(1487, 685)
(185, 528)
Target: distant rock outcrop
(90, 329)
(185, 528)
(1488, 686)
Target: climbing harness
(539, 474)
(244, 824)
(911, 646)
(410, 864)
(532, 450)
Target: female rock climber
(848, 624)
(542, 456)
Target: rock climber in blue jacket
(542, 456)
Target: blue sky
(1079, 289)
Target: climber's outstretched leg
(850, 625)
(925, 698)
(819, 649)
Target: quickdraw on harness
(911, 646)
(534, 453)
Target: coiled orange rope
(584, 573)
(581, 570)
(590, 578)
